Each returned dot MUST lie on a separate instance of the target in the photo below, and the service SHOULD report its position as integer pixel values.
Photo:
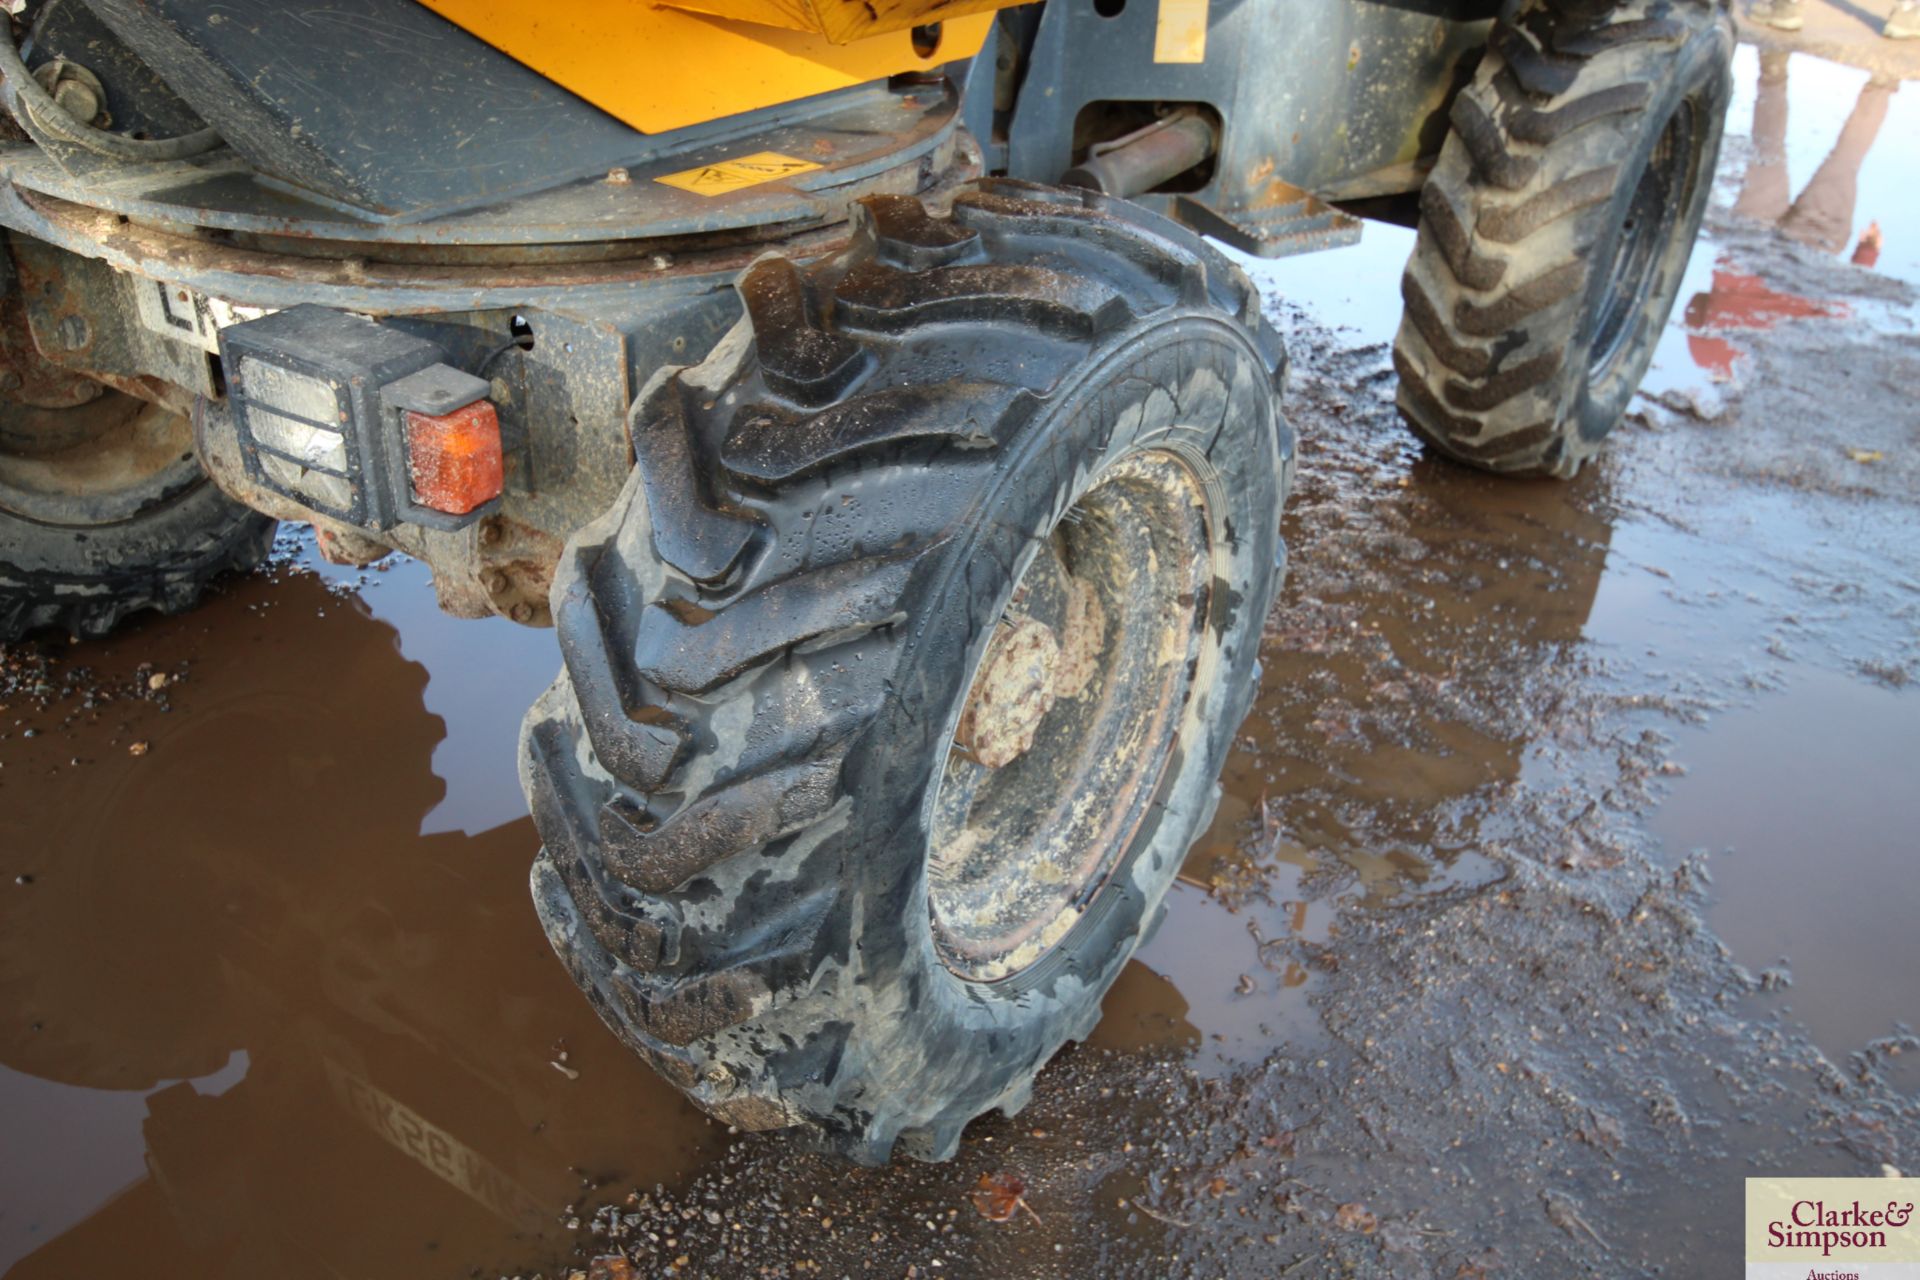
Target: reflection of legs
(1764, 193)
(1823, 214)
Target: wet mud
(1561, 883)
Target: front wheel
(899, 678)
(1556, 226)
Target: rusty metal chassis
(606, 282)
(592, 323)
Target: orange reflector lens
(455, 457)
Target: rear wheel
(898, 680)
(1556, 226)
(105, 511)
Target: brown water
(273, 1000)
(1805, 790)
(1809, 799)
(267, 1004)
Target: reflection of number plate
(188, 315)
(437, 1149)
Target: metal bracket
(1296, 222)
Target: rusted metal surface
(1148, 157)
(564, 299)
(1284, 220)
(281, 267)
(878, 139)
(275, 279)
(1310, 99)
(593, 331)
(80, 317)
(1072, 717)
(1082, 638)
(343, 544)
(606, 277)
(1011, 694)
(516, 562)
(28, 378)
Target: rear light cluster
(361, 421)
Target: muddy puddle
(273, 1000)
(1759, 607)
(272, 994)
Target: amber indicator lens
(453, 459)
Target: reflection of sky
(1814, 770)
(483, 674)
(1354, 288)
(86, 1145)
(1842, 794)
(1820, 94)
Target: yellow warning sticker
(1180, 33)
(732, 175)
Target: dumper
(870, 395)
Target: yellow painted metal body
(658, 68)
(841, 21)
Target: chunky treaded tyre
(1556, 225)
(898, 679)
(105, 511)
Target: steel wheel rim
(130, 455)
(1021, 849)
(1653, 212)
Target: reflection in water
(1738, 301)
(263, 1025)
(1822, 216)
(253, 1023)
(1508, 574)
(1841, 800)
(1376, 747)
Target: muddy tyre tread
(1498, 285)
(162, 559)
(725, 643)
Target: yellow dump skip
(657, 69)
(843, 21)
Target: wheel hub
(1071, 719)
(1012, 694)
